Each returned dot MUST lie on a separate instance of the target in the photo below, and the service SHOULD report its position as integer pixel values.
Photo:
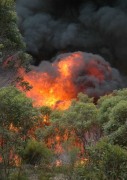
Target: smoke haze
(50, 27)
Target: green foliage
(113, 115)
(17, 116)
(119, 113)
(116, 128)
(122, 93)
(37, 153)
(69, 169)
(16, 108)
(25, 60)
(45, 176)
(18, 176)
(107, 161)
(7, 3)
(86, 172)
(45, 110)
(82, 115)
(104, 161)
(56, 127)
(1, 46)
(9, 32)
(11, 41)
(83, 119)
(84, 98)
(57, 122)
(106, 107)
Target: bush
(107, 161)
(113, 117)
(17, 176)
(9, 32)
(36, 153)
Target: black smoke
(51, 27)
(88, 73)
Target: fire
(64, 79)
(58, 163)
(13, 128)
(56, 86)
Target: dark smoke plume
(50, 27)
(94, 75)
(88, 73)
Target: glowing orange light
(57, 90)
(58, 163)
(13, 128)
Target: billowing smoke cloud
(93, 75)
(54, 26)
(70, 74)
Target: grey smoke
(52, 26)
(84, 80)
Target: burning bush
(17, 115)
(56, 84)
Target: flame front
(56, 92)
(70, 74)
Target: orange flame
(58, 90)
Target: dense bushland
(86, 142)
(92, 137)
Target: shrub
(37, 153)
